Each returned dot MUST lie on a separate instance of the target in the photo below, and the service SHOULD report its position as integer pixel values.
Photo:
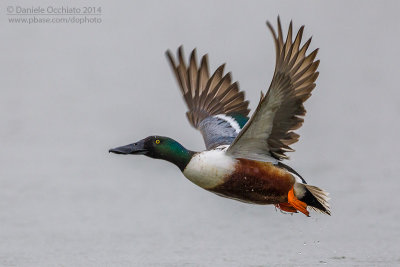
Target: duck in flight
(243, 155)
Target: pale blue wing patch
(219, 130)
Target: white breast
(209, 168)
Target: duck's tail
(302, 196)
(316, 198)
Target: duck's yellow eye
(157, 141)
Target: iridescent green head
(158, 147)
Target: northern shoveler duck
(243, 156)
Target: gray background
(69, 92)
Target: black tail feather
(316, 199)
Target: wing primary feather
(182, 71)
(305, 66)
(269, 132)
(280, 34)
(217, 93)
(288, 44)
(192, 74)
(180, 80)
(202, 80)
(212, 82)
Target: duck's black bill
(135, 149)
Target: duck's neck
(181, 158)
(176, 154)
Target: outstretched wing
(216, 105)
(269, 132)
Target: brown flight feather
(204, 95)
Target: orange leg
(286, 207)
(297, 204)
